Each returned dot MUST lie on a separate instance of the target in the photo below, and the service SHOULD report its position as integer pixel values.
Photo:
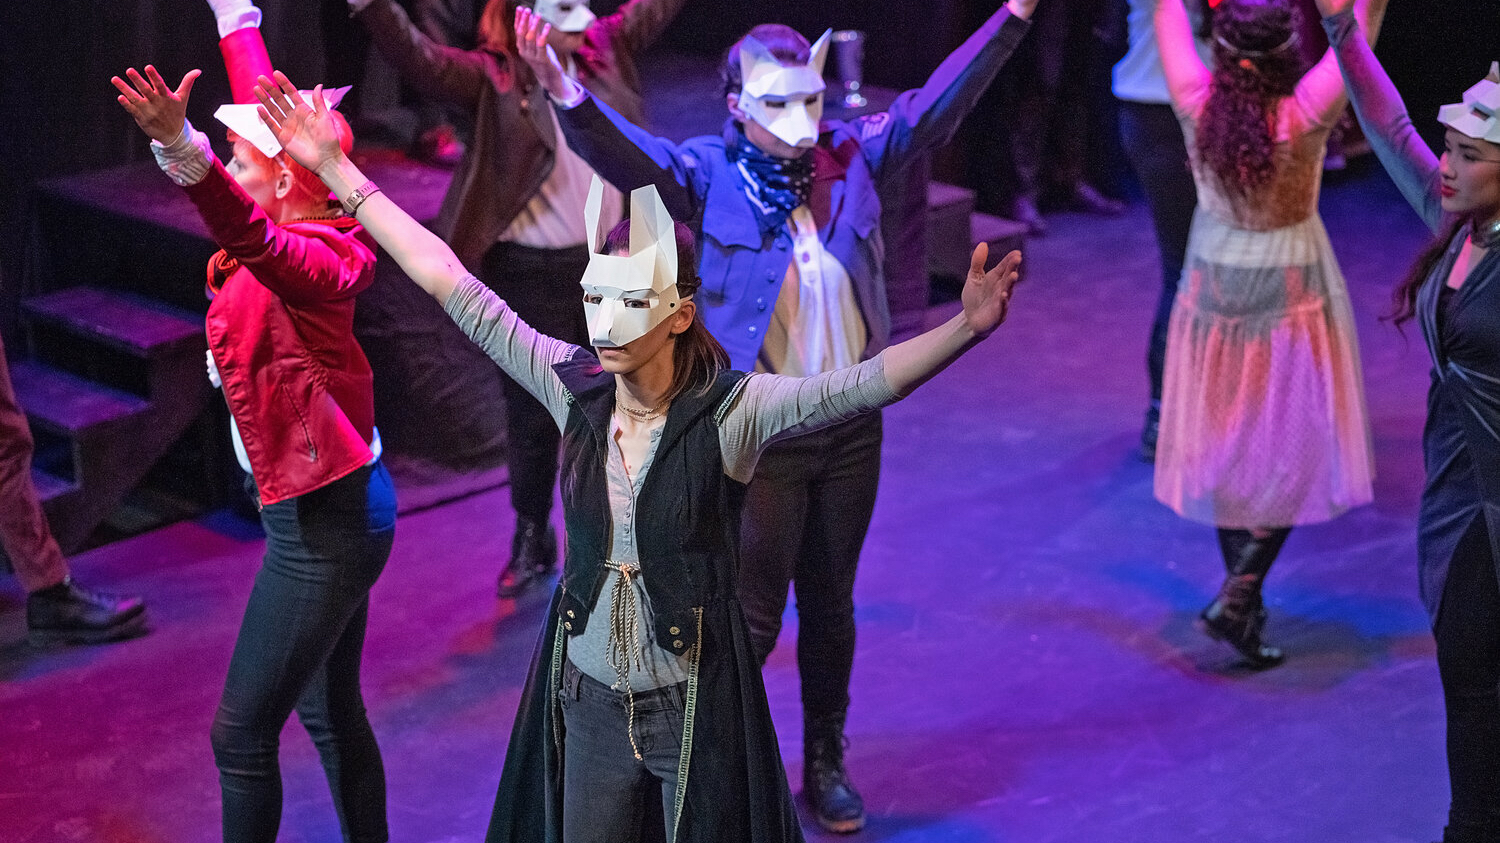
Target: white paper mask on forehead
(244, 120)
(624, 296)
(1478, 116)
(776, 96)
(565, 15)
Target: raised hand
(531, 45)
(160, 111)
(1327, 8)
(986, 295)
(308, 133)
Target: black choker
(1486, 236)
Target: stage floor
(1028, 669)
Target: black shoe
(70, 614)
(1150, 431)
(1237, 617)
(825, 783)
(533, 555)
(1024, 211)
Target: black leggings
(1468, 652)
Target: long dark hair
(1256, 64)
(1404, 297)
(697, 358)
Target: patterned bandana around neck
(776, 186)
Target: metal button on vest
(677, 644)
(570, 613)
(567, 625)
(674, 630)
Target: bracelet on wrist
(352, 202)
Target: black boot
(1150, 432)
(825, 783)
(70, 614)
(1238, 614)
(533, 555)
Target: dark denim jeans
(607, 793)
(1153, 142)
(806, 514)
(299, 648)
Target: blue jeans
(607, 793)
(299, 648)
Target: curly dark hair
(1256, 64)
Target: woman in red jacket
(299, 390)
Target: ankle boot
(533, 555)
(825, 783)
(1237, 617)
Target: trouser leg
(24, 533)
(1468, 652)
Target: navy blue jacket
(743, 268)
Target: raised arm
(1187, 75)
(925, 118)
(638, 23)
(621, 152)
(771, 407)
(1383, 116)
(241, 44)
(298, 267)
(1320, 91)
(307, 133)
(442, 72)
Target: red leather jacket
(281, 329)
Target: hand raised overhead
(308, 133)
(531, 45)
(986, 295)
(157, 109)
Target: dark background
(58, 115)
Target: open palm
(986, 295)
(306, 131)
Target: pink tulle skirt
(1263, 419)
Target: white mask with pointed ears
(565, 15)
(624, 296)
(1476, 116)
(785, 101)
(244, 119)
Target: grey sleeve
(516, 347)
(769, 407)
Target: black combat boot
(67, 613)
(825, 783)
(533, 556)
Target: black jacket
(689, 514)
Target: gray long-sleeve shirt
(764, 409)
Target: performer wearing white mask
(644, 715)
(514, 208)
(792, 265)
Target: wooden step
(49, 486)
(128, 323)
(69, 405)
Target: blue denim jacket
(742, 268)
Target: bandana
(776, 186)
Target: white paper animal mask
(1476, 115)
(624, 296)
(243, 120)
(565, 15)
(776, 96)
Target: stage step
(70, 406)
(49, 487)
(119, 320)
(954, 228)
